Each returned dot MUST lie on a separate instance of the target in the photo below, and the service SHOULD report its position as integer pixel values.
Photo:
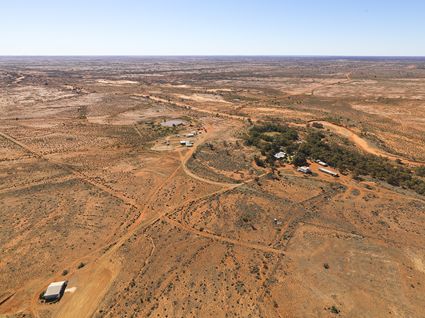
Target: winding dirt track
(361, 143)
(103, 267)
(340, 130)
(195, 176)
(82, 306)
(186, 106)
(364, 145)
(102, 270)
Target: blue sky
(212, 27)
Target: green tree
(300, 159)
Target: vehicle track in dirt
(105, 188)
(363, 144)
(301, 216)
(142, 222)
(195, 176)
(53, 180)
(189, 107)
(223, 239)
(347, 81)
(101, 265)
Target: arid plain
(97, 189)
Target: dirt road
(186, 106)
(97, 277)
(265, 249)
(364, 145)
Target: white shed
(329, 172)
(322, 163)
(304, 169)
(280, 155)
(55, 291)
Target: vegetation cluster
(271, 138)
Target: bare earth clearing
(95, 191)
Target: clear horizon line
(207, 55)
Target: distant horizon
(215, 55)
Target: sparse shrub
(420, 171)
(326, 266)
(259, 162)
(257, 180)
(65, 272)
(240, 287)
(335, 310)
(81, 265)
(317, 125)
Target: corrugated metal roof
(54, 289)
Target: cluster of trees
(272, 138)
(347, 160)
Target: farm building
(183, 142)
(329, 172)
(305, 170)
(322, 163)
(280, 155)
(190, 135)
(189, 144)
(55, 291)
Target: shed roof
(55, 288)
(280, 155)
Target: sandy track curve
(185, 158)
(363, 144)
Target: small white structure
(322, 163)
(329, 172)
(277, 222)
(190, 135)
(183, 142)
(189, 144)
(55, 291)
(280, 155)
(304, 169)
